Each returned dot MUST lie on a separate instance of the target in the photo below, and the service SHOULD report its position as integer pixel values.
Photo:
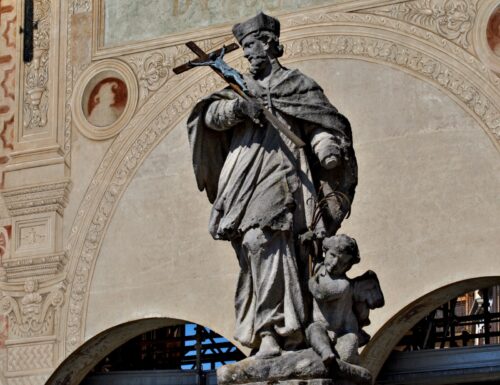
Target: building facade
(103, 232)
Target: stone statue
(341, 305)
(274, 201)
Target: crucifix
(235, 80)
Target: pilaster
(34, 191)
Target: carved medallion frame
(96, 71)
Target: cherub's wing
(367, 295)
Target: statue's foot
(268, 347)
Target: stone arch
(362, 37)
(380, 346)
(73, 369)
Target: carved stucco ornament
(36, 73)
(364, 37)
(154, 68)
(32, 313)
(81, 6)
(452, 19)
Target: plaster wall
(425, 212)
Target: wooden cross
(203, 57)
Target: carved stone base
(303, 367)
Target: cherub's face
(337, 262)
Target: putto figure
(265, 190)
(341, 305)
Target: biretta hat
(261, 22)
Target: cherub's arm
(325, 288)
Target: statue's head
(259, 38)
(340, 252)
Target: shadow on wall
(381, 345)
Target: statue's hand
(327, 149)
(245, 109)
(307, 237)
(328, 155)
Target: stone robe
(264, 191)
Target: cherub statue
(341, 305)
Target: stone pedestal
(303, 367)
(318, 381)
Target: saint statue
(268, 194)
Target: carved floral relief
(36, 75)
(154, 69)
(452, 19)
(32, 313)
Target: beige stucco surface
(86, 158)
(425, 212)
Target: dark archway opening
(456, 343)
(149, 351)
(177, 354)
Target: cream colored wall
(157, 259)
(425, 213)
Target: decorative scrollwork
(452, 19)
(36, 102)
(33, 313)
(154, 69)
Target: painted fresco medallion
(493, 31)
(105, 99)
(105, 102)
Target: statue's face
(255, 49)
(330, 261)
(337, 262)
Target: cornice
(38, 198)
